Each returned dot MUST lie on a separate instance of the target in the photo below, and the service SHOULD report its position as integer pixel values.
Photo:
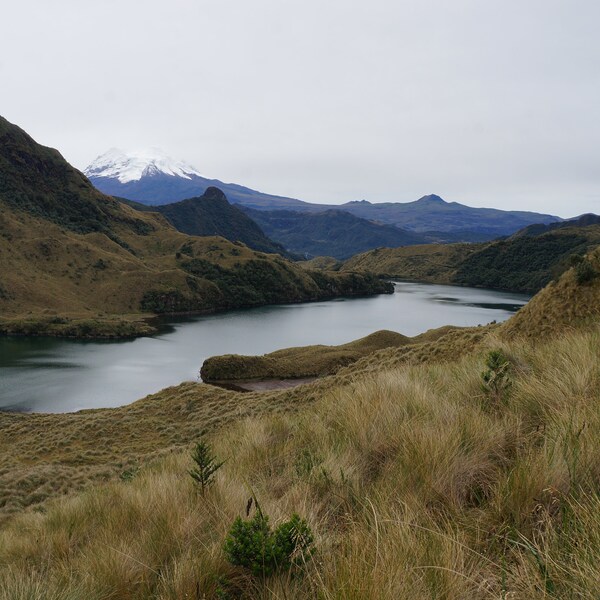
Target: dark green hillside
(523, 263)
(526, 263)
(333, 233)
(38, 180)
(211, 214)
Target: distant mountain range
(152, 178)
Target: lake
(62, 375)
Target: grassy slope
(434, 263)
(416, 481)
(76, 262)
(521, 263)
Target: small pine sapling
(206, 466)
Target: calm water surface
(56, 375)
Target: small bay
(63, 375)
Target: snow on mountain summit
(132, 166)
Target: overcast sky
(485, 102)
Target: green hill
(523, 262)
(76, 262)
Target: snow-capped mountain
(132, 166)
(151, 177)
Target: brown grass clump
(320, 360)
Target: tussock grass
(416, 483)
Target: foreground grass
(416, 482)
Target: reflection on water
(54, 375)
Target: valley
(445, 431)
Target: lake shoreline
(54, 375)
(125, 327)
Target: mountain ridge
(428, 213)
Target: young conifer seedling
(206, 466)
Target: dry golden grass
(42, 456)
(321, 263)
(316, 361)
(302, 361)
(435, 263)
(47, 270)
(416, 483)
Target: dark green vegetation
(255, 282)
(211, 214)
(254, 545)
(333, 233)
(37, 181)
(524, 263)
(76, 262)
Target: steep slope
(211, 214)
(526, 263)
(69, 252)
(330, 233)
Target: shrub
(253, 545)
(584, 272)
